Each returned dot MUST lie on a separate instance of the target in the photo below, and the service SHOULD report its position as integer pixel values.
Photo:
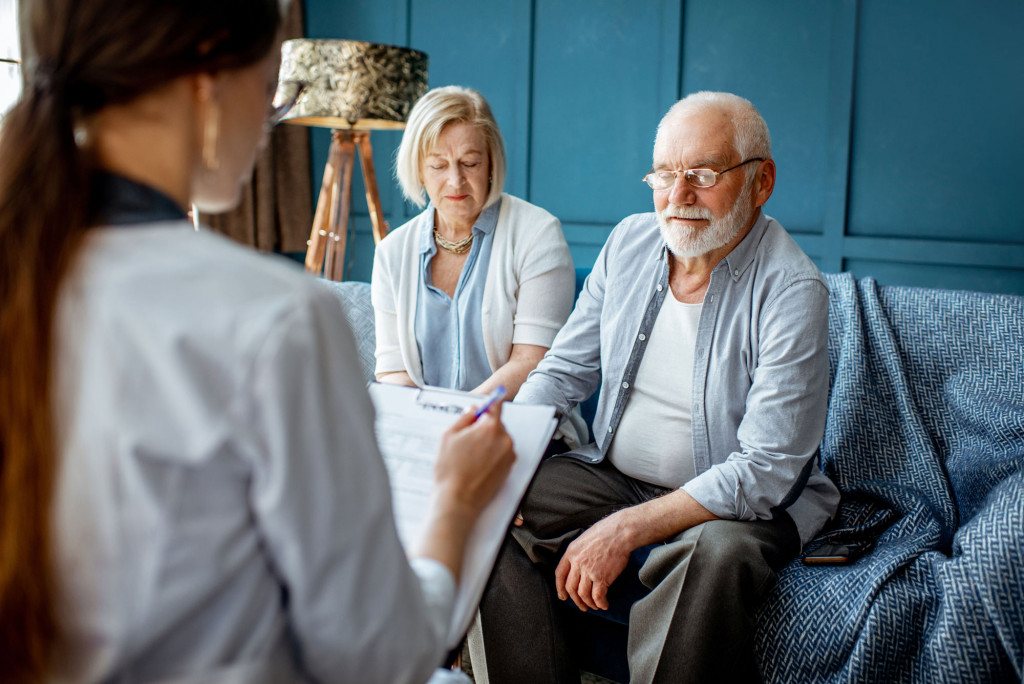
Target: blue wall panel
(939, 121)
(979, 279)
(896, 126)
(484, 46)
(776, 55)
(606, 71)
(376, 21)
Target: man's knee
(723, 543)
(726, 552)
(566, 497)
(547, 489)
(512, 569)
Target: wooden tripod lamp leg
(326, 246)
(341, 203)
(380, 226)
(317, 244)
(327, 238)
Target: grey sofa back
(355, 301)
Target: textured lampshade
(351, 84)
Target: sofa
(925, 440)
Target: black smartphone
(833, 554)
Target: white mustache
(674, 211)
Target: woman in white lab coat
(189, 484)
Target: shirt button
(642, 337)
(609, 429)
(625, 385)
(660, 288)
(736, 272)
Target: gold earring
(211, 131)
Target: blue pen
(497, 395)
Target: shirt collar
(743, 254)
(119, 201)
(485, 223)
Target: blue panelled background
(897, 125)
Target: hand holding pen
(497, 395)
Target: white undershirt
(653, 441)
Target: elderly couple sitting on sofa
(750, 412)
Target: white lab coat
(220, 496)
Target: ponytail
(44, 190)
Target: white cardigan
(528, 294)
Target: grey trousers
(696, 624)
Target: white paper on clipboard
(409, 425)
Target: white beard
(688, 241)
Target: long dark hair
(80, 56)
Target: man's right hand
(592, 562)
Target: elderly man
(706, 327)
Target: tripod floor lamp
(351, 87)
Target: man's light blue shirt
(760, 384)
(449, 330)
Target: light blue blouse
(449, 331)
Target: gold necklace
(460, 247)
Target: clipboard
(409, 424)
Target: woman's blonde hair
(429, 116)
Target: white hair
(429, 116)
(750, 132)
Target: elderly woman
(469, 294)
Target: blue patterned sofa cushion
(963, 357)
(925, 439)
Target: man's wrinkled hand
(591, 563)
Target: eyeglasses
(698, 178)
(285, 97)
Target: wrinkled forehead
(691, 139)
